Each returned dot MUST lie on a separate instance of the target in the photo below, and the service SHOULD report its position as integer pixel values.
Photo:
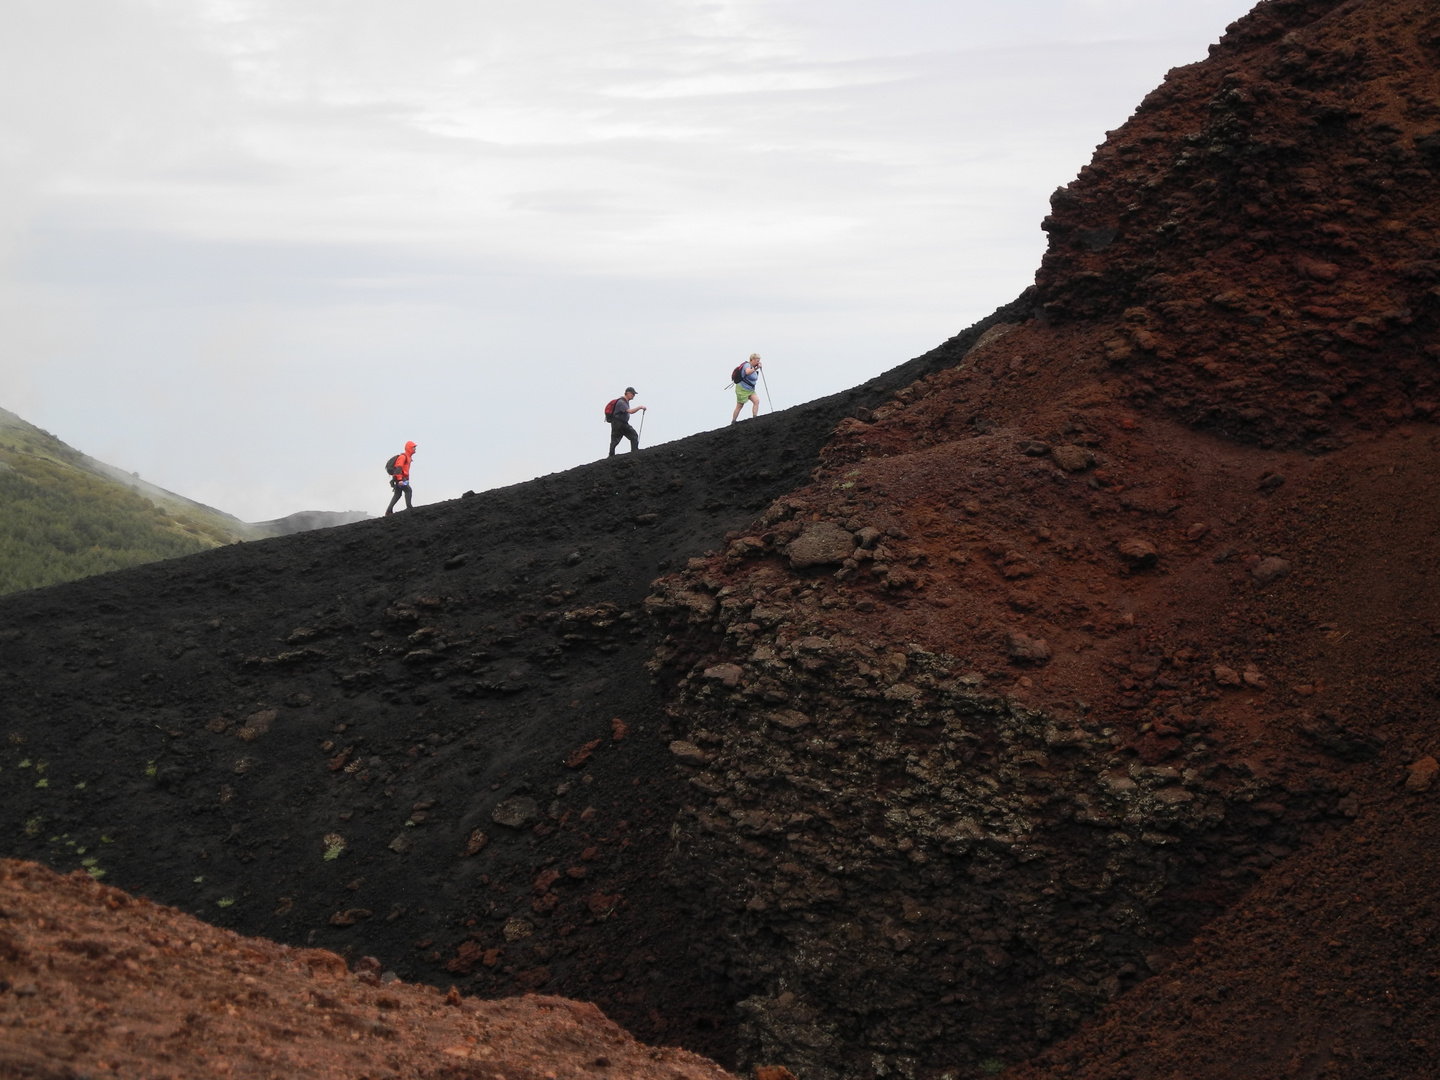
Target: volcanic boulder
(821, 543)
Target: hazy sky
(249, 247)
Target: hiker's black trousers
(400, 489)
(623, 431)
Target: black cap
(631, 390)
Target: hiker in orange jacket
(400, 477)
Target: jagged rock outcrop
(1264, 228)
(907, 862)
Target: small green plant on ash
(91, 868)
(32, 825)
(150, 769)
(334, 845)
(992, 1066)
(225, 901)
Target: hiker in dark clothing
(400, 477)
(620, 412)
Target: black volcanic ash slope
(303, 737)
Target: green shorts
(743, 393)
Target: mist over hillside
(68, 515)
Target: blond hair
(754, 356)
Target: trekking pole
(642, 420)
(767, 390)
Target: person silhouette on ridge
(620, 413)
(399, 469)
(745, 388)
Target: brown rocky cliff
(1259, 241)
(1122, 619)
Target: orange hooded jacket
(402, 462)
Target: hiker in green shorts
(748, 372)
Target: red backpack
(610, 411)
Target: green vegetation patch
(60, 524)
(66, 518)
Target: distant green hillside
(64, 515)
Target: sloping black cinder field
(312, 737)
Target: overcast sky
(249, 247)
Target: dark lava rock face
(431, 737)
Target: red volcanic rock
(1138, 551)
(1025, 648)
(1316, 270)
(1267, 219)
(1270, 569)
(1226, 676)
(1421, 774)
(819, 544)
(96, 982)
